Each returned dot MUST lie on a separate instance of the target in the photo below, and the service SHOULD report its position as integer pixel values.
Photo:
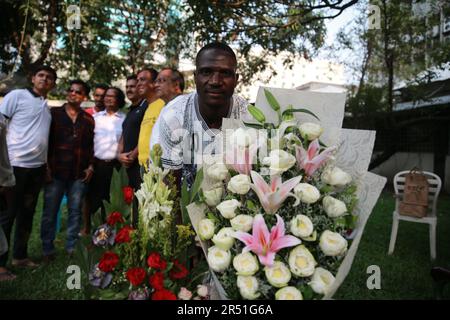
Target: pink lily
(241, 159)
(272, 196)
(311, 160)
(264, 244)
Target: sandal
(24, 263)
(7, 276)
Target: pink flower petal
(277, 230)
(275, 182)
(284, 242)
(259, 182)
(313, 148)
(246, 238)
(261, 233)
(268, 259)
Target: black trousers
(134, 180)
(21, 204)
(100, 184)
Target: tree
(403, 51)
(272, 25)
(160, 31)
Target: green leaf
(196, 185)
(307, 292)
(212, 217)
(254, 125)
(287, 111)
(272, 101)
(184, 201)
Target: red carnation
(108, 261)
(136, 276)
(178, 271)
(157, 281)
(114, 217)
(123, 236)
(128, 194)
(155, 261)
(163, 294)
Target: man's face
(165, 87)
(43, 81)
(145, 84)
(131, 90)
(111, 99)
(76, 94)
(99, 96)
(215, 77)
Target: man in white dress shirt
(107, 132)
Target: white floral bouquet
(275, 214)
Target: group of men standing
(70, 151)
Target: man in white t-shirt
(188, 127)
(29, 121)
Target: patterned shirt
(71, 144)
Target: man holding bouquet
(191, 123)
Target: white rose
(321, 281)
(288, 293)
(336, 177)
(334, 207)
(239, 184)
(213, 197)
(184, 294)
(224, 239)
(245, 264)
(301, 226)
(206, 229)
(243, 137)
(217, 171)
(219, 260)
(279, 161)
(307, 193)
(301, 261)
(202, 290)
(248, 287)
(332, 243)
(310, 131)
(228, 208)
(278, 275)
(242, 222)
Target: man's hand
(125, 159)
(88, 174)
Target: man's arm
(123, 157)
(9, 104)
(90, 169)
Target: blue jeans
(53, 194)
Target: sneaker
(24, 263)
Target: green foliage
(172, 28)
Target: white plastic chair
(433, 192)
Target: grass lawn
(404, 275)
